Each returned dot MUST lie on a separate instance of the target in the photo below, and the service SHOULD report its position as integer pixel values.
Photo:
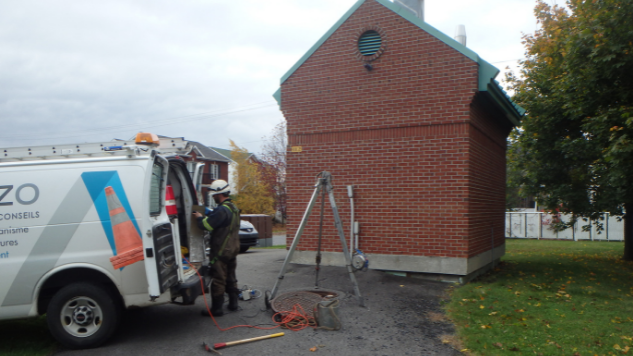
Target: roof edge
(215, 149)
(512, 111)
(409, 16)
(487, 72)
(277, 96)
(321, 41)
(406, 14)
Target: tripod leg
(295, 241)
(341, 234)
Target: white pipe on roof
(460, 34)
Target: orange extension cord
(294, 320)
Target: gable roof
(487, 72)
(206, 152)
(227, 153)
(224, 152)
(182, 147)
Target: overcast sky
(87, 71)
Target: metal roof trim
(277, 96)
(409, 16)
(406, 14)
(487, 72)
(321, 41)
(513, 111)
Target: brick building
(416, 123)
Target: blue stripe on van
(96, 182)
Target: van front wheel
(82, 315)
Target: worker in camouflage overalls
(223, 224)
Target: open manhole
(307, 299)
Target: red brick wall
(401, 134)
(489, 130)
(224, 171)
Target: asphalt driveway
(401, 317)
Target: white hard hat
(219, 186)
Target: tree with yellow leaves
(253, 195)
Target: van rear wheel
(82, 315)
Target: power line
(165, 122)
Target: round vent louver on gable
(369, 43)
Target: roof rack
(110, 148)
(140, 146)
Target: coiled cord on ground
(294, 320)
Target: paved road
(395, 320)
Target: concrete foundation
(448, 269)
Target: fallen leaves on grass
(624, 350)
(534, 305)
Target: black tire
(82, 315)
(244, 249)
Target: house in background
(216, 165)
(233, 165)
(415, 121)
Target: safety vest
(225, 241)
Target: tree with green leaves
(515, 194)
(576, 83)
(253, 195)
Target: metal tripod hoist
(323, 185)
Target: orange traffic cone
(129, 247)
(170, 201)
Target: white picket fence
(537, 225)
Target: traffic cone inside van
(129, 247)
(170, 201)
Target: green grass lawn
(29, 337)
(545, 298)
(276, 247)
(548, 298)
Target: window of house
(214, 171)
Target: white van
(86, 231)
